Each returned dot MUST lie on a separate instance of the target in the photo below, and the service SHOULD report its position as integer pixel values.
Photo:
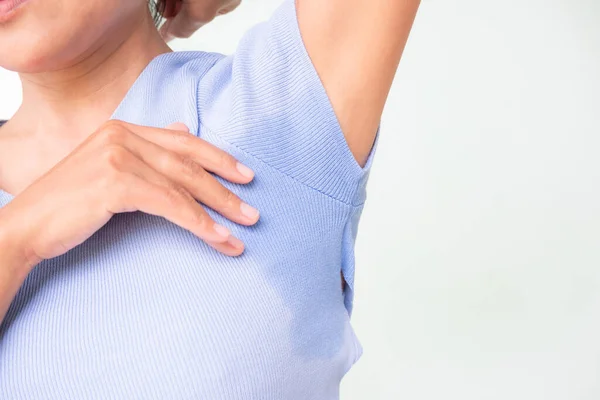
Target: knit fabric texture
(145, 310)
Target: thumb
(183, 24)
(164, 31)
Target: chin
(33, 45)
(35, 56)
(50, 35)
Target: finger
(196, 180)
(178, 7)
(205, 154)
(218, 161)
(164, 31)
(148, 191)
(232, 5)
(233, 247)
(184, 25)
(206, 189)
(169, 7)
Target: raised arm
(356, 47)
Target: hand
(125, 168)
(186, 17)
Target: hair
(157, 7)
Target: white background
(479, 250)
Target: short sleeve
(268, 100)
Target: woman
(106, 302)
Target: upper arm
(311, 115)
(355, 46)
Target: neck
(67, 102)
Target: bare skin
(120, 168)
(355, 45)
(76, 178)
(183, 19)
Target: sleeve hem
(276, 108)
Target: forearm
(14, 267)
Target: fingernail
(249, 211)
(222, 231)
(247, 172)
(235, 242)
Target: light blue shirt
(145, 310)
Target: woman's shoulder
(266, 99)
(193, 64)
(166, 91)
